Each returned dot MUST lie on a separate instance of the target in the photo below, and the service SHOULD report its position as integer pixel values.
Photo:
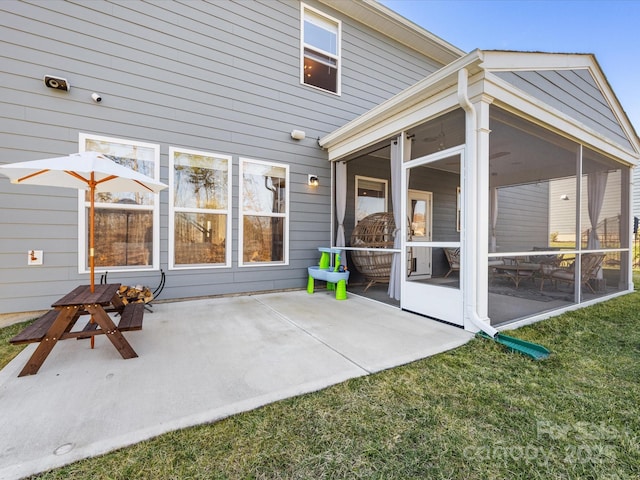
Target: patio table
(518, 271)
(57, 324)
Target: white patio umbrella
(83, 171)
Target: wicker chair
(453, 257)
(589, 266)
(374, 231)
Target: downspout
(470, 283)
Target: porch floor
(506, 303)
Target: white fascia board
(436, 102)
(509, 98)
(404, 100)
(498, 61)
(397, 27)
(432, 96)
(392, 125)
(611, 98)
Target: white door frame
(428, 299)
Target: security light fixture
(57, 83)
(313, 180)
(298, 134)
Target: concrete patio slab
(199, 361)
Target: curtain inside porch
(596, 187)
(398, 152)
(341, 201)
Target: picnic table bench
(37, 330)
(130, 319)
(57, 324)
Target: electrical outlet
(34, 257)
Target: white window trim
(83, 267)
(241, 215)
(173, 210)
(338, 56)
(371, 179)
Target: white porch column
(475, 179)
(626, 229)
(482, 207)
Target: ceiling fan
(440, 138)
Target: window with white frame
(371, 196)
(126, 223)
(264, 213)
(320, 50)
(199, 209)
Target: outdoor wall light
(57, 82)
(564, 197)
(313, 180)
(298, 134)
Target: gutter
(401, 101)
(471, 221)
(470, 277)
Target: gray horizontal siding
(218, 76)
(575, 93)
(522, 217)
(562, 214)
(563, 219)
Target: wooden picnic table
(57, 324)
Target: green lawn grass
(8, 351)
(477, 412)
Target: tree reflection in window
(264, 200)
(123, 220)
(200, 205)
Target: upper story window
(127, 224)
(199, 209)
(264, 218)
(320, 51)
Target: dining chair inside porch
(590, 264)
(453, 257)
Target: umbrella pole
(92, 191)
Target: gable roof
(568, 92)
(571, 83)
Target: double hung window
(264, 218)
(200, 209)
(126, 223)
(320, 56)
